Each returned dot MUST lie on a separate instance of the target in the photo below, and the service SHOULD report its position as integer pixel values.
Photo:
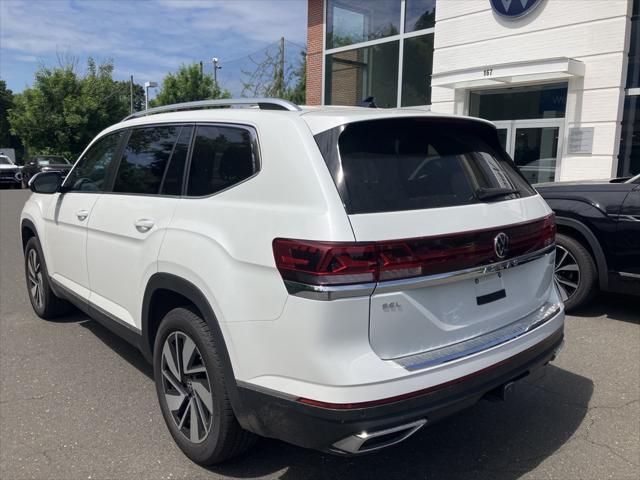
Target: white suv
(332, 277)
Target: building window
(355, 21)
(629, 155)
(371, 52)
(354, 75)
(519, 103)
(419, 14)
(416, 70)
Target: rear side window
(145, 159)
(418, 163)
(91, 172)
(222, 157)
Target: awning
(510, 73)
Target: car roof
(317, 118)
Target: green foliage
(64, 111)
(7, 139)
(188, 84)
(298, 92)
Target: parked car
(10, 173)
(45, 163)
(332, 277)
(598, 240)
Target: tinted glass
(144, 159)
(354, 75)
(629, 156)
(518, 103)
(172, 184)
(355, 21)
(91, 172)
(409, 164)
(535, 153)
(5, 161)
(420, 14)
(416, 75)
(222, 157)
(633, 72)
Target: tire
(201, 384)
(575, 272)
(44, 302)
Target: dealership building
(559, 78)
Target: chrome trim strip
(477, 344)
(443, 278)
(353, 444)
(317, 292)
(626, 218)
(629, 275)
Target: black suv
(598, 240)
(45, 163)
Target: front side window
(91, 172)
(416, 163)
(222, 157)
(145, 158)
(355, 21)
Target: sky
(147, 38)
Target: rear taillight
(347, 263)
(325, 263)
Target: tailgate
(464, 244)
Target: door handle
(82, 215)
(144, 225)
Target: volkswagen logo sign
(514, 8)
(501, 245)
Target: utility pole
(281, 72)
(201, 69)
(216, 67)
(131, 92)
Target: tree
(64, 111)
(188, 84)
(272, 77)
(298, 92)
(7, 139)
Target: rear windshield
(419, 163)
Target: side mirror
(46, 182)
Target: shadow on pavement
(625, 308)
(490, 440)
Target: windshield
(5, 161)
(635, 179)
(418, 163)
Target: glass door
(534, 145)
(537, 148)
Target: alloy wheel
(186, 387)
(567, 273)
(34, 276)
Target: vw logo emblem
(501, 245)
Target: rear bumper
(271, 414)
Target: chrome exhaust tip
(371, 441)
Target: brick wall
(315, 29)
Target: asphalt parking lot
(76, 402)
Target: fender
(167, 281)
(601, 261)
(31, 226)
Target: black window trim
(111, 172)
(255, 147)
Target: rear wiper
(487, 193)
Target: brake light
(347, 263)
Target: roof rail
(262, 103)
